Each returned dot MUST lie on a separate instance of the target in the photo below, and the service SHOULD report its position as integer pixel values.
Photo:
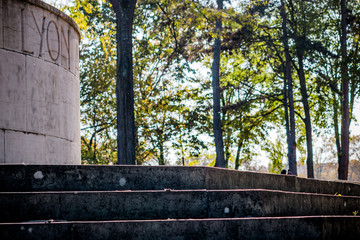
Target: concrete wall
(104, 178)
(320, 227)
(231, 179)
(39, 84)
(174, 204)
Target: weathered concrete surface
(102, 205)
(84, 178)
(230, 179)
(92, 177)
(318, 227)
(226, 206)
(262, 203)
(39, 84)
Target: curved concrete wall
(39, 84)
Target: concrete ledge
(318, 227)
(98, 177)
(123, 205)
(93, 177)
(217, 178)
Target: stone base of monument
(39, 84)
(144, 202)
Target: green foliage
(277, 154)
(97, 80)
(172, 44)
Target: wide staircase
(157, 202)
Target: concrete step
(21, 177)
(156, 204)
(271, 228)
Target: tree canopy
(283, 69)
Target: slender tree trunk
(304, 97)
(286, 113)
(162, 156)
(124, 10)
(292, 140)
(182, 150)
(219, 143)
(336, 127)
(94, 124)
(94, 156)
(237, 159)
(344, 163)
(227, 152)
(240, 143)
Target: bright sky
(355, 126)
(57, 3)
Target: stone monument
(39, 84)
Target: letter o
(48, 44)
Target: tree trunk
(336, 128)
(237, 159)
(124, 10)
(286, 113)
(94, 135)
(182, 150)
(344, 163)
(227, 150)
(162, 155)
(240, 143)
(304, 97)
(219, 144)
(292, 155)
